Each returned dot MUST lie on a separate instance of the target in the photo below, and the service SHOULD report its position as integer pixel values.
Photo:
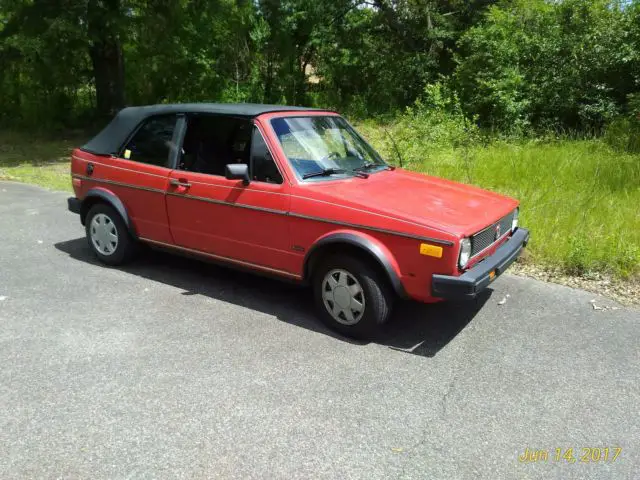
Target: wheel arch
(101, 195)
(358, 243)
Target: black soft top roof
(113, 136)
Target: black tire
(378, 296)
(126, 245)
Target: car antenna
(395, 145)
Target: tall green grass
(579, 198)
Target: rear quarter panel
(139, 186)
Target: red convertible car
(292, 192)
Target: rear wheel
(108, 236)
(352, 297)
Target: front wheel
(352, 297)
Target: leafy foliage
(560, 65)
(512, 65)
(433, 124)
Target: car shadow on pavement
(415, 328)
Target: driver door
(243, 224)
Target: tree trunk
(105, 50)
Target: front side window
(152, 142)
(214, 141)
(322, 147)
(263, 167)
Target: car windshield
(325, 147)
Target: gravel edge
(626, 292)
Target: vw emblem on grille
(497, 232)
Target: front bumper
(73, 204)
(476, 279)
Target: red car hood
(433, 202)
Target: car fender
(367, 243)
(111, 199)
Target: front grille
(486, 237)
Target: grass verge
(37, 159)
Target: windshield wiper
(324, 173)
(368, 166)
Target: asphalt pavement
(171, 368)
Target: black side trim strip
(120, 184)
(228, 204)
(277, 212)
(375, 229)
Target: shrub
(623, 135)
(435, 122)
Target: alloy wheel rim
(343, 297)
(104, 234)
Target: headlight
(465, 252)
(514, 223)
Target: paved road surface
(174, 369)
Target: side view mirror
(237, 171)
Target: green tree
(551, 65)
(44, 67)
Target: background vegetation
(538, 99)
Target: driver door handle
(182, 182)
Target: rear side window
(152, 142)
